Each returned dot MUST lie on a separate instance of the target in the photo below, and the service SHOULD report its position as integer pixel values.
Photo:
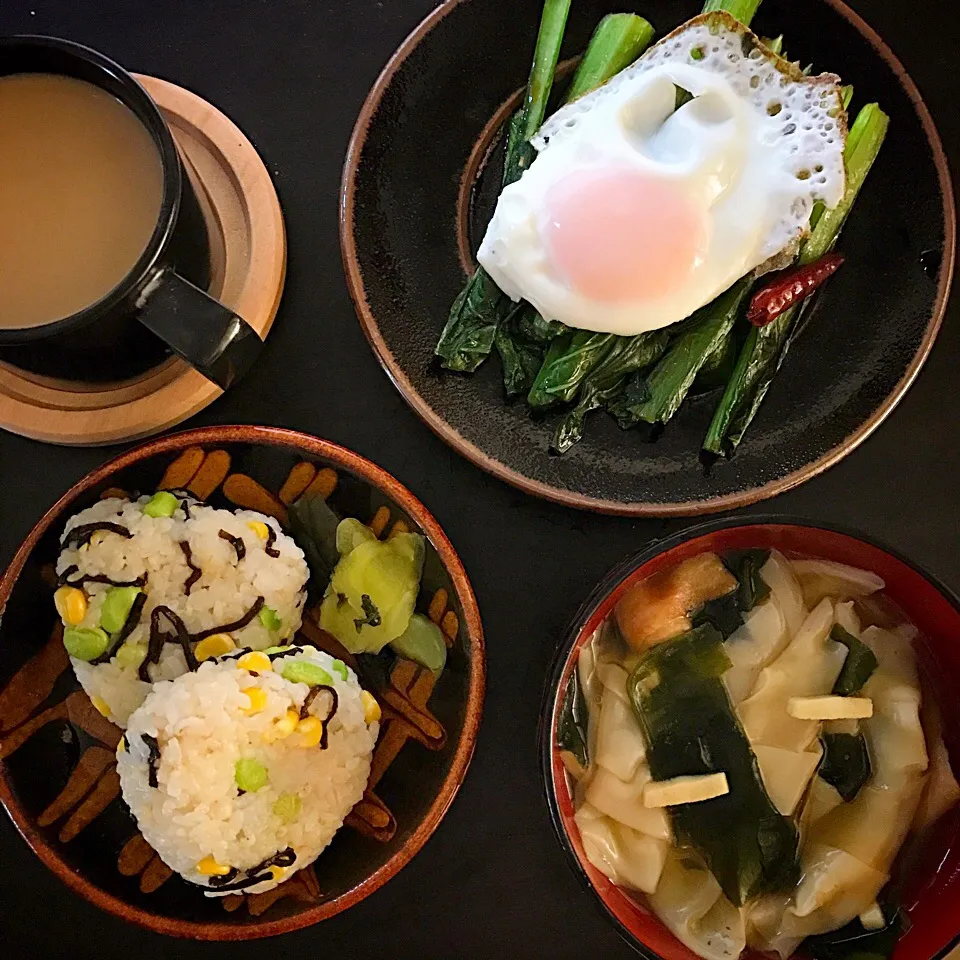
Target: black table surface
(493, 881)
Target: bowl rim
(600, 592)
(538, 488)
(341, 458)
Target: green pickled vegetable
(270, 618)
(846, 763)
(279, 649)
(250, 775)
(764, 350)
(314, 526)
(351, 533)
(162, 504)
(568, 361)
(673, 376)
(679, 699)
(617, 41)
(117, 604)
(423, 643)
(302, 671)
(287, 807)
(572, 723)
(860, 663)
(372, 592)
(606, 381)
(85, 643)
(339, 667)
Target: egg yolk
(620, 235)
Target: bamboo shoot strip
(765, 347)
(679, 699)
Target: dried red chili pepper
(789, 288)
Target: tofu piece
(872, 918)
(658, 608)
(670, 793)
(830, 708)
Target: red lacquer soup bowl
(931, 891)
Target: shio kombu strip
(683, 707)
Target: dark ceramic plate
(58, 777)
(411, 217)
(930, 890)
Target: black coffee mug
(160, 306)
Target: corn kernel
(121, 746)
(277, 872)
(71, 604)
(258, 700)
(283, 727)
(214, 646)
(371, 709)
(259, 528)
(101, 706)
(255, 662)
(210, 868)
(311, 731)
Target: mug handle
(209, 336)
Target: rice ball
(241, 773)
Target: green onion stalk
(468, 336)
(481, 308)
(765, 347)
(589, 350)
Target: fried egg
(635, 213)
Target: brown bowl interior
(57, 773)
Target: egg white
(753, 150)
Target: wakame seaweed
(726, 612)
(572, 725)
(846, 763)
(680, 701)
(860, 663)
(723, 613)
(855, 942)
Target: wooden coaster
(248, 259)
